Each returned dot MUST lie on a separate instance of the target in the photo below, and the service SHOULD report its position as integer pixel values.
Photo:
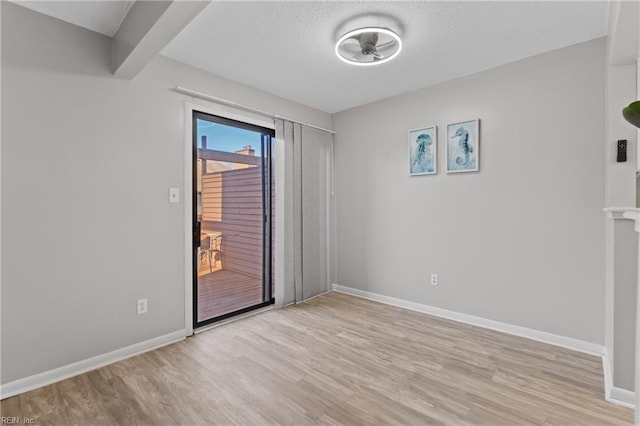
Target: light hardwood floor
(336, 360)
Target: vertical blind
(308, 175)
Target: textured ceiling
(287, 48)
(103, 17)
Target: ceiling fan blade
(351, 48)
(361, 57)
(367, 39)
(368, 42)
(387, 44)
(377, 56)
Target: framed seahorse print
(423, 151)
(463, 146)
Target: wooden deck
(223, 291)
(232, 208)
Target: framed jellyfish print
(423, 151)
(463, 146)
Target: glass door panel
(233, 193)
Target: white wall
(621, 177)
(86, 165)
(621, 191)
(621, 238)
(522, 241)
(626, 257)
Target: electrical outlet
(434, 279)
(142, 306)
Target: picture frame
(463, 146)
(423, 151)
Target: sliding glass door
(233, 193)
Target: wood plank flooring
(335, 360)
(223, 291)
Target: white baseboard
(540, 336)
(623, 397)
(614, 394)
(26, 384)
(313, 297)
(607, 373)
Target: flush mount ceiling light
(368, 46)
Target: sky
(227, 138)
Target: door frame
(233, 114)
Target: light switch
(174, 195)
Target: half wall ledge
(632, 213)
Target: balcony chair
(212, 248)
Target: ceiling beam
(146, 30)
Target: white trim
(622, 397)
(614, 394)
(228, 112)
(233, 319)
(221, 111)
(70, 370)
(239, 107)
(540, 336)
(188, 212)
(609, 307)
(607, 373)
(312, 297)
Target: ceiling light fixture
(368, 46)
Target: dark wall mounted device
(622, 151)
